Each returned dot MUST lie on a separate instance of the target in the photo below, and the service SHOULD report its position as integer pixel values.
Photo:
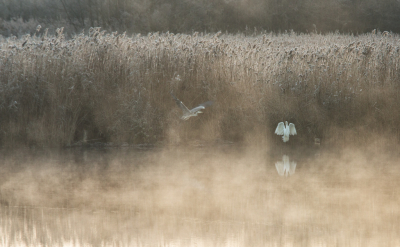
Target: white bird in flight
(285, 130)
(285, 167)
(191, 113)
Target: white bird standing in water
(285, 167)
(191, 113)
(285, 130)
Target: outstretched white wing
(201, 106)
(280, 128)
(292, 129)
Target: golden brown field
(340, 88)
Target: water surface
(219, 196)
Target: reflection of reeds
(117, 87)
(66, 227)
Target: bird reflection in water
(285, 167)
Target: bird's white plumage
(193, 112)
(292, 129)
(198, 108)
(285, 167)
(285, 130)
(280, 128)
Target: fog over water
(223, 195)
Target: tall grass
(336, 87)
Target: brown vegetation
(335, 87)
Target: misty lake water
(219, 196)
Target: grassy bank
(340, 88)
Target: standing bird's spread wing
(181, 105)
(292, 129)
(201, 106)
(280, 129)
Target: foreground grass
(336, 87)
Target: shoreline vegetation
(109, 87)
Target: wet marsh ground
(203, 196)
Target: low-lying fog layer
(224, 196)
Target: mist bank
(125, 196)
(116, 88)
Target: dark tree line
(144, 16)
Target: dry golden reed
(339, 88)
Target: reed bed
(340, 88)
